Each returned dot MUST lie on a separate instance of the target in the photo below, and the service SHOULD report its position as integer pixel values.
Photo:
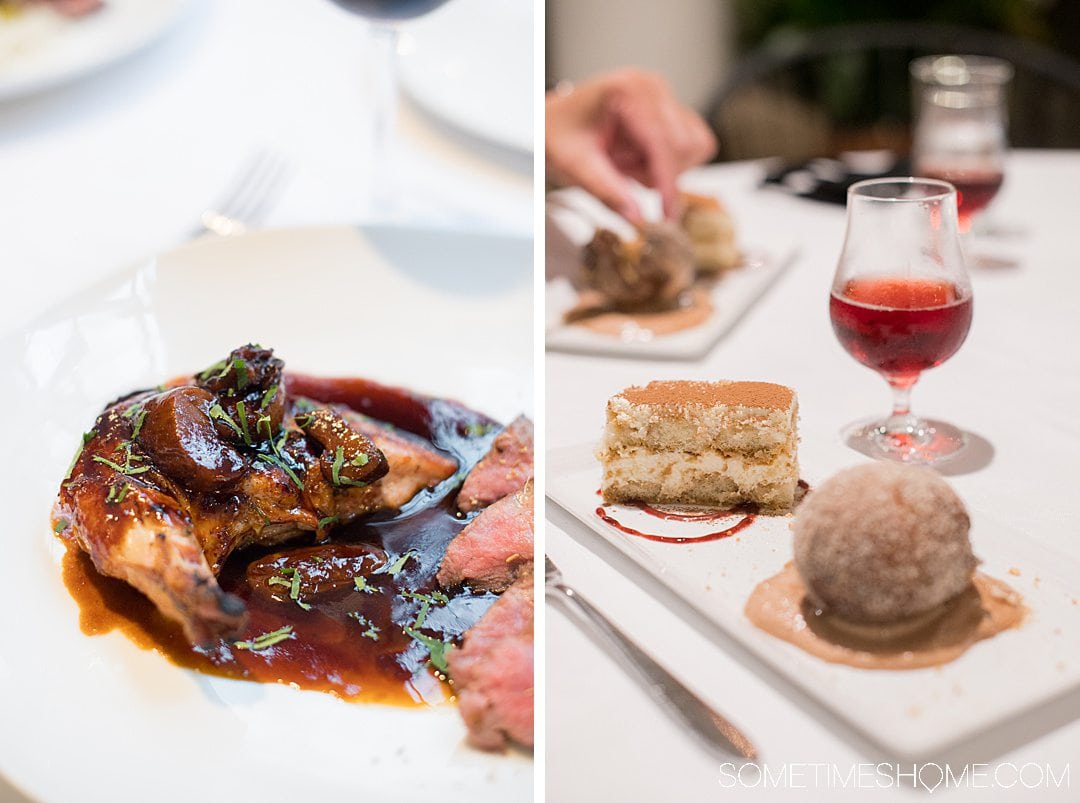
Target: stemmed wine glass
(901, 303)
(384, 17)
(960, 133)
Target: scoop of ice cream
(883, 542)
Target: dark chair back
(820, 92)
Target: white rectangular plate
(915, 714)
(731, 297)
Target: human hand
(620, 126)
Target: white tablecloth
(119, 165)
(1015, 383)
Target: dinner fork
(248, 199)
(665, 689)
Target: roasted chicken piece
(168, 484)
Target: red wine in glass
(901, 322)
(390, 10)
(900, 326)
(975, 188)
(385, 198)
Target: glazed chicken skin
(169, 483)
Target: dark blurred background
(804, 78)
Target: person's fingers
(702, 141)
(637, 118)
(593, 171)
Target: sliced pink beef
(490, 551)
(503, 470)
(493, 671)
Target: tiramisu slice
(702, 443)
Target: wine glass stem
(382, 196)
(901, 421)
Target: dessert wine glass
(383, 17)
(960, 133)
(900, 304)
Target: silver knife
(669, 692)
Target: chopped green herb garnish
(125, 469)
(293, 584)
(372, 631)
(60, 525)
(434, 598)
(277, 461)
(394, 569)
(139, 418)
(268, 397)
(241, 412)
(241, 373)
(325, 522)
(117, 492)
(476, 430)
(264, 424)
(216, 411)
(306, 422)
(361, 584)
(339, 461)
(213, 369)
(339, 458)
(438, 650)
(266, 639)
(426, 601)
(86, 438)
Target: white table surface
(106, 170)
(116, 166)
(1015, 383)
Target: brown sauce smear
(350, 643)
(666, 322)
(778, 606)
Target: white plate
(578, 215)
(41, 49)
(914, 714)
(442, 313)
(471, 64)
(731, 298)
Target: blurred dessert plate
(729, 281)
(41, 49)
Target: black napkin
(828, 179)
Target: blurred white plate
(443, 313)
(40, 49)
(913, 714)
(471, 64)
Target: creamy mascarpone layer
(676, 471)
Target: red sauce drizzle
(671, 515)
(746, 520)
